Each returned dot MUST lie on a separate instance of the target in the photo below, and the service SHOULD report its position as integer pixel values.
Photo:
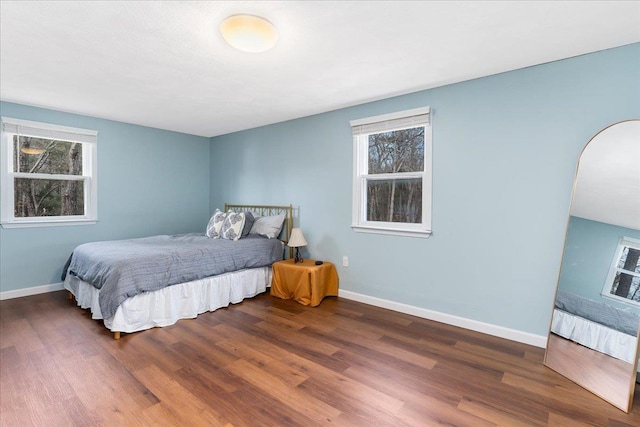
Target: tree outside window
(35, 197)
(400, 199)
(623, 281)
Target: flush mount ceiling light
(32, 151)
(249, 33)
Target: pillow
(232, 226)
(248, 222)
(268, 226)
(215, 224)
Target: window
(623, 280)
(47, 174)
(392, 174)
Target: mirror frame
(602, 375)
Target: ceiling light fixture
(32, 151)
(249, 33)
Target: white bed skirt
(594, 335)
(166, 306)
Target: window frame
(88, 139)
(361, 129)
(613, 269)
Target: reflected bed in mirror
(593, 337)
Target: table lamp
(297, 241)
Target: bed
(138, 284)
(596, 325)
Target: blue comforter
(605, 314)
(125, 268)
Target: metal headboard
(269, 210)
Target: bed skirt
(166, 306)
(594, 335)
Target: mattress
(594, 335)
(166, 306)
(622, 320)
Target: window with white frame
(623, 280)
(47, 174)
(392, 173)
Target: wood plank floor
(269, 362)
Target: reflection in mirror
(593, 338)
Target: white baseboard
(474, 325)
(449, 319)
(25, 292)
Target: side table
(304, 282)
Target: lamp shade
(297, 239)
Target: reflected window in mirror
(623, 280)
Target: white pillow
(215, 224)
(268, 226)
(232, 226)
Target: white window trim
(613, 269)
(88, 138)
(388, 122)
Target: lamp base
(297, 257)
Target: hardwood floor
(270, 362)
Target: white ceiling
(165, 65)
(608, 180)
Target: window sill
(60, 223)
(425, 234)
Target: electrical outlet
(345, 261)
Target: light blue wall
(505, 150)
(149, 182)
(589, 250)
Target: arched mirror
(593, 339)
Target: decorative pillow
(268, 226)
(248, 222)
(215, 224)
(232, 226)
